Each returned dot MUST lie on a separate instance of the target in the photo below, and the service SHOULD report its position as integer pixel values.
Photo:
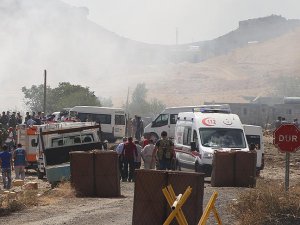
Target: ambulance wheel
(199, 168)
(177, 166)
(40, 175)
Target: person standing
(6, 166)
(138, 127)
(147, 154)
(138, 158)
(27, 117)
(129, 152)
(20, 162)
(19, 118)
(4, 120)
(164, 150)
(119, 151)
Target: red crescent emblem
(209, 121)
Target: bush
(268, 204)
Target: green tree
(33, 97)
(65, 95)
(140, 106)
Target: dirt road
(104, 211)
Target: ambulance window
(187, 133)
(161, 120)
(195, 138)
(34, 142)
(173, 118)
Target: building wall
(262, 114)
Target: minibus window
(102, 118)
(173, 118)
(161, 120)
(119, 119)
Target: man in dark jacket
(7, 166)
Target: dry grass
(63, 190)
(23, 199)
(28, 198)
(268, 204)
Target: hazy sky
(34, 40)
(155, 21)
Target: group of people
(9, 161)
(9, 122)
(135, 127)
(157, 155)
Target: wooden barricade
(176, 204)
(210, 207)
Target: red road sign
(287, 138)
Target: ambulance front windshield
(222, 138)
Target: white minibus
(112, 120)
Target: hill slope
(246, 71)
(42, 34)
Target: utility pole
(127, 113)
(45, 89)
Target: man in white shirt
(147, 153)
(119, 150)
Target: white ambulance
(27, 136)
(198, 134)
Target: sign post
(287, 171)
(287, 139)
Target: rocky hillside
(42, 34)
(250, 70)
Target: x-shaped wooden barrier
(176, 203)
(210, 207)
